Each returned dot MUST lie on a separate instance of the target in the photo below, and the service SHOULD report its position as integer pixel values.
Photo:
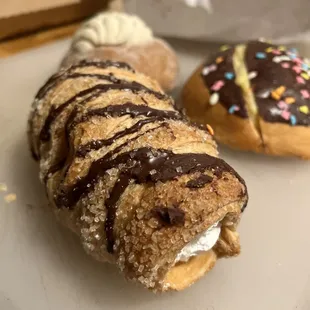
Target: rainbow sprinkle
(282, 105)
(304, 109)
(224, 48)
(305, 94)
(278, 92)
(229, 75)
(269, 49)
(293, 120)
(292, 56)
(297, 69)
(290, 100)
(218, 85)
(298, 60)
(233, 109)
(260, 55)
(300, 80)
(212, 67)
(252, 75)
(275, 111)
(285, 65)
(278, 59)
(305, 75)
(219, 60)
(210, 129)
(293, 50)
(286, 115)
(207, 70)
(214, 99)
(275, 95)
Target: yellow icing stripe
(242, 80)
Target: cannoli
(122, 37)
(141, 186)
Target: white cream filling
(201, 243)
(111, 28)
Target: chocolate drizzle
(90, 94)
(120, 147)
(54, 168)
(199, 182)
(33, 153)
(141, 166)
(111, 205)
(62, 75)
(98, 144)
(270, 75)
(169, 216)
(131, 109)
(120, 110)
(230, 94)
(57, 78)
(67, 152)
(144, 165)
(103, 64)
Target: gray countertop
(43, 266)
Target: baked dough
(256, 97)
(131, 176)
(122, 37)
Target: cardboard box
(19, 17)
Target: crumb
(210, 130)
(10, 198)
(3, 187)
(29, 206)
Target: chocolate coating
(199, 182)
(272, 75)
(169, 216)
(269, 68)
(120, 110)
(142, 165)
(54, 79)
(230, 94)
(90, 94)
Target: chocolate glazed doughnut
(141, 186)
(256, 96)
